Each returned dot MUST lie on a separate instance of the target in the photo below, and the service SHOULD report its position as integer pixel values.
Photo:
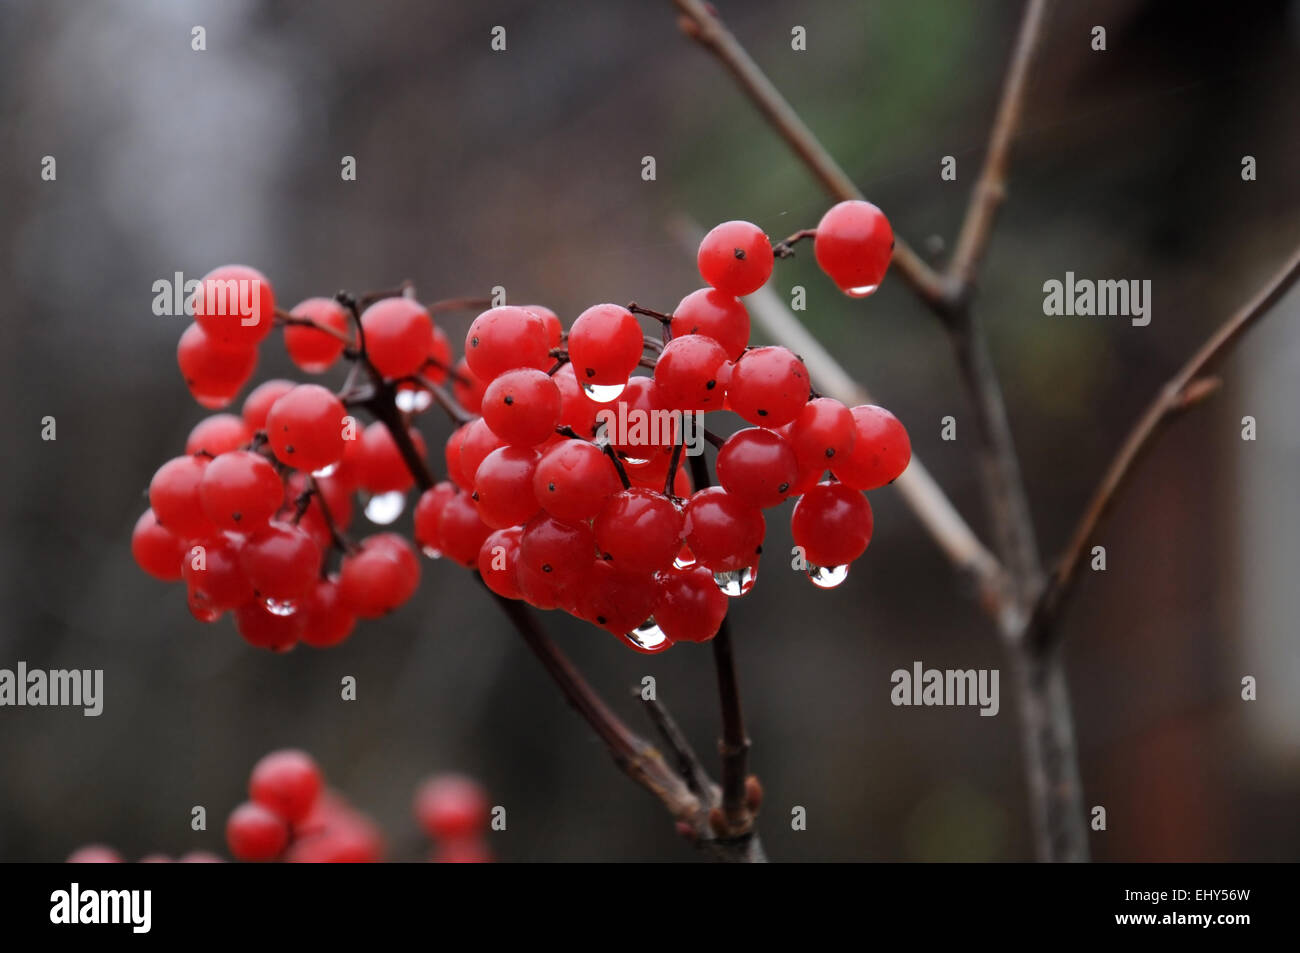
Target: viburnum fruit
(501, 339)
(768, 386)
(255, 833)
(757, 467)
(451, 806)
(379, 577)
(736, 258)
(235, 306)
(715, 315)
(554, 329)
(689, 606)
(639, 530)
(562, 551)
(605, 345)
(310, 348)
(853, 245)
(286, 782)
(156, 549)
(498, 559)
(573, 480)
(174, 497)
(261, 398)
(305, 428)
(281, 561)
(503, 487)
(467, 387)
(398, 335)
(380, 464)
(881, 450)
(326, 620)
(522, 406)
(692, 373)
(822, 433)
(240, 490)
(832, 522)
(724, 534)
(428, 510)
(213, 373)
(461, 530)
(264, 629)
(476, 442)
(213, 572)
(218, 434)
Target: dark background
(523, 169)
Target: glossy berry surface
(605, 344)
(501, 339)
(240, 490)
(853, 245)
(689, 606)
(255, 833)
(723, 532)
(881, 450)
(315, 349)
(235, 306)
(451, 807)
(833, 524)
(305, 428)
(286, 782)
(398, 335)
(716, 315)
(522, 406)
(757, 467)
(639, 530)
(736, 258)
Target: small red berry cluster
(453, 811)
(291, 816)
(543, 498)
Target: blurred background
(523, 169)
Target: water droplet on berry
(635, 461)
(604, 393)
(684, 559)
(861, 291)
(384, 508)
(736, 582)
(328, 471)
(648, 638)
(431, 551)
(411, 400)
(277, 607)
(828, 577)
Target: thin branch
(990, 189)
(457, 304)
(702, 24)
(1191, 385)
(689, 765)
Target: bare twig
(1185, 389)
(702, 24)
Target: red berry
(554, 330)
(639, 530)
(218, 434)
(305, 428)
(174, 497)
(281, 561)
(381, 576)
(326, 621)
(736, 258)
(881, 450)
(724, 534)
(467, 387)
(263, 629)
(853, 246)
(212, 373)
(235, 306)
(398, 335)
(503, 487)
(689, 606)
(255, 833)
(605, 345)
(260, 399)
(823, 431)
(501, 339)
(559, 550)
(451, 806)
(461, 530)
(715, 315)
(240, 490)
(476, 443)
(427, 513)
(832, 522)
(522, 406)
(577, 410)
(314, 351)
(438, 364)
(380, 464)
(213, 571)
(768, 386)
(691, 373)
(757, 467)
(156, 549)
(286, 782)
(574, 479)
(498, 560)
(616, 600)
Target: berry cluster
(291, 816)
(549, 495)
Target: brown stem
(701, 23)
(1185, 389)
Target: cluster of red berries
(550, 495)
(291, 816)
(100, 854)
(453, 811)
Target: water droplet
(828, 577)
(431, 551)
(280, 608)
(861, 291)
(634, 461)
(384, 508)
(328, 471)
(736, 582)
(685, 559)
(604, 393)
(412, 400)
(648, 638)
